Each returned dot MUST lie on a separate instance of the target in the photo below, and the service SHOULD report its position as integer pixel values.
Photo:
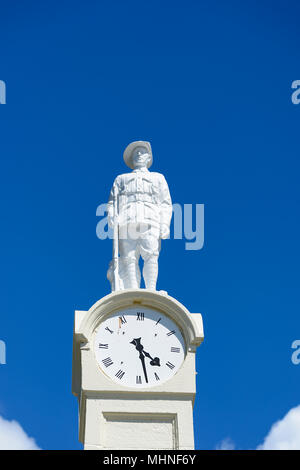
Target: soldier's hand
(164, 231)
(111, 219)
(110, 222)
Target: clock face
(139, 347)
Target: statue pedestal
(153, 415)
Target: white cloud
(284, 434)
(226, 444)
(13, 437)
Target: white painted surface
(117, 351)
(113, 415)
(139, 211)
(133, 430)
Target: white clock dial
(139, 347)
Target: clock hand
(153, 362)
(139, 347)
(137, 343)
(142, 358)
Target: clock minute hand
(142, 358)
(137, 343)
(139, 347)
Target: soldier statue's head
(138, 155)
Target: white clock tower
(134, 350)
(134, 371)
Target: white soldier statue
(140, 212)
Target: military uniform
(144, 207)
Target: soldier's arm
(165, 206)
(110, 205)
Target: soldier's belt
(139, 198)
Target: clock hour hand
(139, 347)
(154, 361)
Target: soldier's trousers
(135, 241)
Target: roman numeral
(177, 350)
(103, 346)
(108, 329)
(170, 365)
(140, 316)
(122, 320)
(171, 333)
(138, 379)
(158, 321)
(120, 374)
(107, 362)
(156, 376)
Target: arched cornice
(190, 327)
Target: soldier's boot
(150, 272)
(130, 278)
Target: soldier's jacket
(143, 196)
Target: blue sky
(209, 84)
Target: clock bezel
(136, 305)
(153, 299)
(85, 376)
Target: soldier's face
(140, 157)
